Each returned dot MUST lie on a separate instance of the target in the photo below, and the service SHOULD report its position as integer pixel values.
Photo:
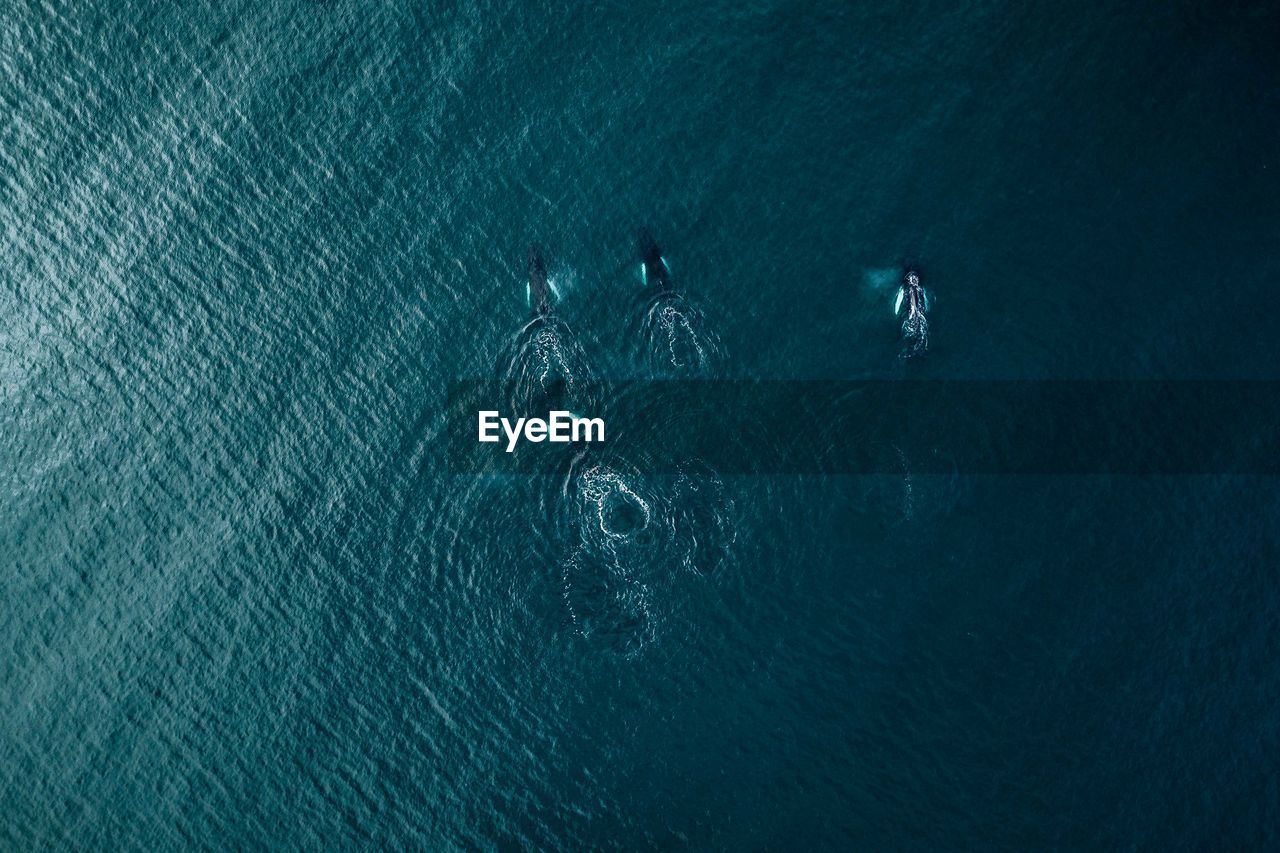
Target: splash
(908, 490)
(675, 338)
(915, 335)
(608, 578)
(607, 604)
(619, 512)
(545, 367)
(637, 548)
(704, 518)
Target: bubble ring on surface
(611, 606)
(600, 486)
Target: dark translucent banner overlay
(883, 427)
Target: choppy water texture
(245, 246)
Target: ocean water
(244, 601)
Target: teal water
(246, 247)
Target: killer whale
(911, 305)
(653, 265)
(911, 296)
(539, 289)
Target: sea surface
(245, 601)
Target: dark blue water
(245, 248)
